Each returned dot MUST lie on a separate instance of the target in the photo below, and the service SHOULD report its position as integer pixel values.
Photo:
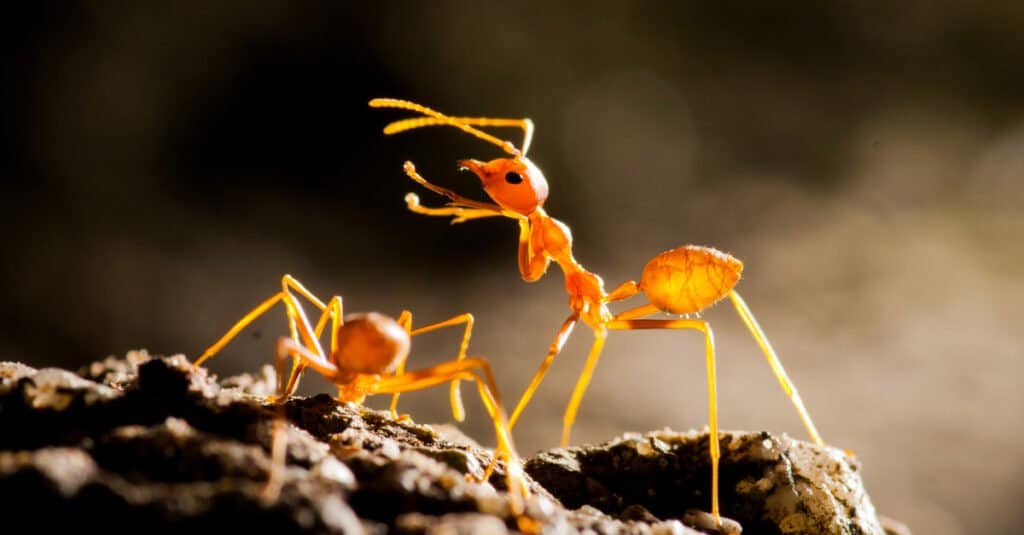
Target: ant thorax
(586, 296)
(553, 237)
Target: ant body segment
(367, 356)
(679, 281)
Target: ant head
(514, 183)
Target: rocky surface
(769, 484)
(152, 444)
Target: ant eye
(513, 177)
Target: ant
(680, 281)
(367, 356)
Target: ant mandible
(680, 281)
(367, 356)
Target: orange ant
(367, 356)
(680, 281)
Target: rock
(153, 444)
(769, 484)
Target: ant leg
(405, 320)
(238, 326)
(709, 341)
(286, 282)
(279, 445)
(773, 360)
(299, 323)
(623, 291)
(478, 370)
(454, 371)
(290, 282)
(556, 347)
(278, 457)
(297, 316)
(458, 410)
(288, 347)
(581, 384)
(334, 313)
(638, 312)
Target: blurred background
(163, 166)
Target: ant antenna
(436, 118)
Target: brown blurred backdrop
(165, 165)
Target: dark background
(165, 165)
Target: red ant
(367, 356)
(684, 280)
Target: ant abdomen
(370, 343)
(690, 278)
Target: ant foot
(403, 417)
(710, 523)
(529, 525)
(472, 478)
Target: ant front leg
(332, 312)
(237, 327)
(600, 334)
(296, 313)
(556, 347)
(292, 309)
(288, 347)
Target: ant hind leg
(478, 370)
(773, 360)
(458, 410)
(237, 327)
(293, 309)
(709, 341)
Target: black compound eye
(513, 177)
